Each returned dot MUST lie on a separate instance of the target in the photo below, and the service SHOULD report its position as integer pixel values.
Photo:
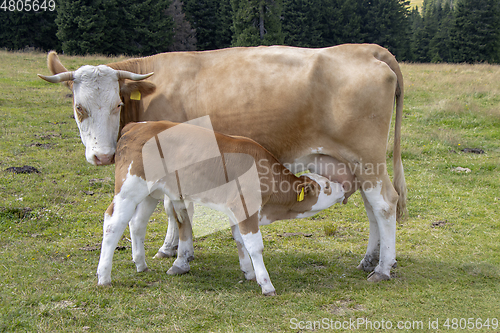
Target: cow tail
(399, 175)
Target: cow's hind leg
(185, 252)
(382, 198)
(137, 226)
(169, 247)
(252, 240)
(371, 259)
(245, 261)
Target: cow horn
(61, 77)
(132, 76)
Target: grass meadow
(448, 248)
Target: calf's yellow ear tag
(135, 95)
(300, 196)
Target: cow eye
(118, 108)
(81, 113)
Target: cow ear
(55, 67)
(136, 89)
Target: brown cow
(234, 175)
(324, 110)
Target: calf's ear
(307, 188)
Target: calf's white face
(330, 194)
(97, 105)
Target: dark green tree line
(114, 26)
(456, 31)
(440, 31)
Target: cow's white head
(96, 106)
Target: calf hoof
(377, 277)
(270, 293)
(176, 270)
(104, 284)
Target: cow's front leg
(252, 239)
(137, 226)
(185, 252)
(245, 261)
(370, 261)
(171, 243)
(383, 199)
(116, 218)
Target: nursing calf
(190, 162)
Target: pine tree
(21, 29)
(302, 24)
(184, 38)
(476, 32)
(419, 48)
(386, 23)
(212, 20)
(114, 26)
(440, 49)
(81, 26)
(224, 33)
(257, 22)
(342, 22)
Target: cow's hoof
(270, 293)
(167, 254)
(367, 265)
(176, 270)
(377, 277)
(144, 270)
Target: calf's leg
(185, 251)
(245, 261)
(113, 228)
(137, 226)
(169, 247)
(252, 240)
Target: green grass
(50, 228)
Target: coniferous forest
(440, 31)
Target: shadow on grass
(320, 273)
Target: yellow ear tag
(300, 196)
(135, 95)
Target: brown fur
(135, 135)
(287, 99)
